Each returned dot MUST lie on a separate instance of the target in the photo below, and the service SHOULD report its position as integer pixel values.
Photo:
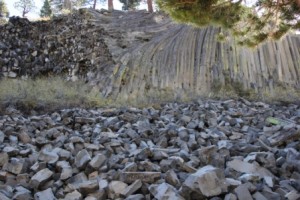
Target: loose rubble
(207, 149)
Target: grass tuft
(48, 94)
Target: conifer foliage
(252, 22)
(129, 4)
(46, 9)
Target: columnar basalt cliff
(138, 53)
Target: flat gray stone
(45, 195)
(243, 193)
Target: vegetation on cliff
(252, 22)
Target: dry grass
(50, 93)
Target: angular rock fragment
(82, 158)
(172, 179)
(98, 161)
(75, 195)
(45, 195)
(132, 188)
(251, 168)
(116, 188)
(208, 181)
(49, 157)
(40, 178)
(15, 166)
(147, 177)
(87, 187)
(164, 191)
(66, 169)
(135, 197)
(3, 158)
(242, 192)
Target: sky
(39, 3)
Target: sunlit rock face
(129, 54)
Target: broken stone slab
(87, 187)
(251, 168)
(146, 177)
(259, 196)
(40, 178)
(136, 185)
(82, 158)
(293, 195)
(135, 197)
(22, 193)
(47, 156)
(172, 179)
(11, 151)
(45, 195)
(164, 191)
(15, 166)
(66, 169)
(243, 193)
(230, 196)
(98, 161)
(116, 188)
(3, 158)
(4, 197)
(76, 180)
(2, 136)
(208, 181)
(283, 137)
(75, 195)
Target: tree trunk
(110, 5)
(23, 13)
(95, 3)
(150, 6)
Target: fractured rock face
(165, 191)
(208, 181)
(40, 177)
(82, 158)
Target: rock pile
(230, 150)
(51, 47)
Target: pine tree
(250, 24)
(130, 4)
(46, 9)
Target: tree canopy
(252, 22)
(25, 6)
(3, 9)
(130, 4)
(3, 12)
(46, 9)
(58, 6)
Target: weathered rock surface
(175, 151)
(141, 54)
